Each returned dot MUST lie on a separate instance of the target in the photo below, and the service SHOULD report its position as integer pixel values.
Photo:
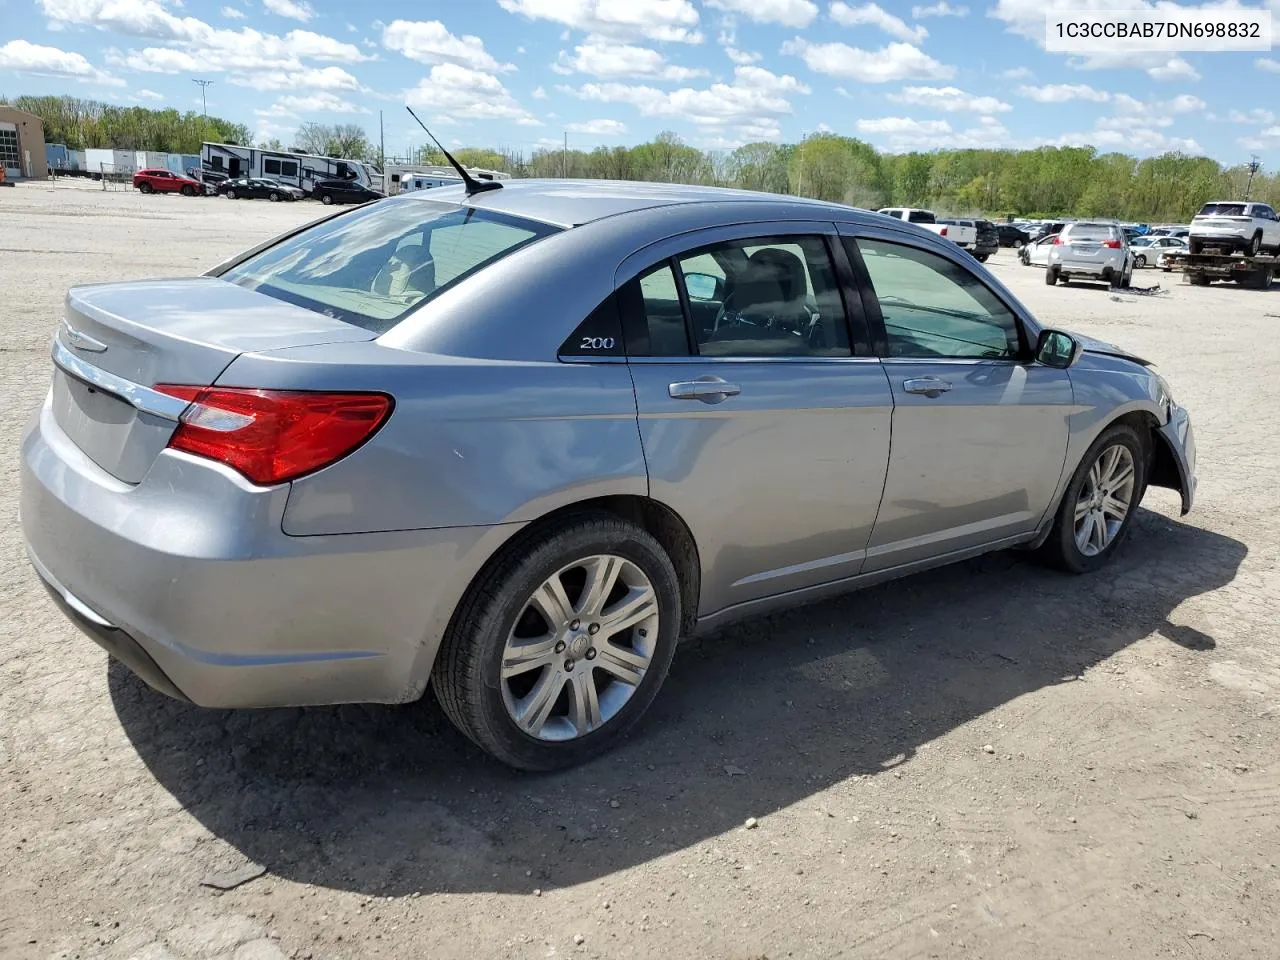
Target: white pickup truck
(962, 236)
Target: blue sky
(935, 73)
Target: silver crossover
(1090, 250)
(515, 443)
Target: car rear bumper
(1101, 268)
(188, 579)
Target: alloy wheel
(579, 648)
(1105, 500)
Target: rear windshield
(1091, 231)
(1221, 210)
(921, 216)
(372, 266)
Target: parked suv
(165, 181)
(1232, 225)
(1090, 250)
(343, 191)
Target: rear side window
(921, 216)
(374, 265)
(600, 335)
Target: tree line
(1045, 182)
(81, 123)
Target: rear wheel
(188, 191)
(1255, 245)
(1198, 280)
(1139, 261)
(562, 645)
(1196, 247)
(273, 197)
(1017, 244)
(982, 257)
(231, 194)
(326, 198)
(1100, 501)
(1050, 276)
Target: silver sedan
(515, 443)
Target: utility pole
(564, 157)
(1254, 166)
(204, 102)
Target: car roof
(570, 203)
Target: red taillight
(943, 233)
(272, 436)
(1058, 241)
(1111, 244)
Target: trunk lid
(119, 340)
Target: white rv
(297, 169)
(407, 177)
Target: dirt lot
(1128, 806)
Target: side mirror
(703, 286)
(1058, 349)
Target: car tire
(1050, 276)
(145, 187)
(1255, 245)
(188, 191)
(1139, 262)
(231, 194)
(1126, 279)
(1198, 279)
(273, 197)
(1018, 244)
(326, 198)
(1195, 247)
(1087, 529)
(483, 703)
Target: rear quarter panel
(470, 442)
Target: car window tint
(373, 265)
(780, 299)
(921, 216)
(663, 313)
(1090, 231)
(933, 307)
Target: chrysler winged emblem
(82, 341)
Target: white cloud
(901, 134)
(293, 9)
(610, 61)
(949, 100)
(673, 21)
(748, 108)
(321, 102)
(156, 60)
(599, 128)
(145, 94)
(1271, 132)
(1267, 64)
(40, 61)
(1129, 140)
(1256, 115)
(789, 13)
(897, 61)
(1063, 92)
(231, 13)
(539, 93)
(1017, 73)
(873, 15)
(1174, 69)
(941, 9)
(741, 57)
(320, 78)
(429, 42)
(456, 92)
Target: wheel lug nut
(593, 629)
(591, 653)
(568, 664)
(560, 647)
(575, 625)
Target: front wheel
(562, 645)
(231, 194)
(144, 188)
(981, 257)
(1100, 501)
(1139, 262)
(1017, 244)
(326, 198)
(273, 197)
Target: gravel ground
(991, 760)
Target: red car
(163, 181)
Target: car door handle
(707, 389)
(929, 386)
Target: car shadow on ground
(390, 800)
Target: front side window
(372, 266)
(935, 308)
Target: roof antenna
(473, 185)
